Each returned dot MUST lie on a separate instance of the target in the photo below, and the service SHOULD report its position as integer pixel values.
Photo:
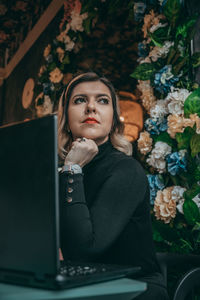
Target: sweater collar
(104, 149)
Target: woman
(104, 191)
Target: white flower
(176, 101)
(166, 75)
(156, 26)
(161, 149)
(160, 109)
(196, 199)
(69, 44)
(46, 107)
(158, 52)
(142, 60)
(177, 195)
(158, 164)
(76, 23)
(161, 2)
(157, 156)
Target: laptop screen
(29, 225)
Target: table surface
(120, 289)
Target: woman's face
(90, 111)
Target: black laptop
(29, 212)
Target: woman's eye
(103, 100)
(79, 100)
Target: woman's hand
(82, 152)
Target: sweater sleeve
(86, 233)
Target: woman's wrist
(72, 168)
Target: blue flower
(156, 125)
(162, 3)
(164, 79)
(142, 50)
(155, 184)
(176, 162)
(139, 10)
(48, 87)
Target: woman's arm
(87, 233)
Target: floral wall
(12, 104)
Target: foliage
(171, 97)
(169, 146)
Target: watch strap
(72, 169)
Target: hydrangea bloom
(164, 79)
(158, 52)
(155, 184)
(144, 142)
(157, 157)
(77, 21)
(156, 125)
(176, 100)
(176, 162)
(159, 110)
(148, 98)
(165, 205)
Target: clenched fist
(82, 152)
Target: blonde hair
(64, 135)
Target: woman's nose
(90, 107)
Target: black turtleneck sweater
(105, 213)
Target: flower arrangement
(169, 145)
(55, 71)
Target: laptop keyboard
(71, 270)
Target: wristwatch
(72, 169)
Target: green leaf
(165, 230)
(197, 173)
(192, 104)
(183, 29)
(185, 246)
(157, 236)
(191, 212)
(183, 139)
(196, 232)
(66, 60)
(165, 137)
(144, 71)
(195, 59)
(172, 11)
(159, 36)
(192, 192)
(195, 144)
(51, 66)
(87, 23)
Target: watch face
(27, 94)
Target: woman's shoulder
(127, 164)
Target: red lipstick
(90, 121)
